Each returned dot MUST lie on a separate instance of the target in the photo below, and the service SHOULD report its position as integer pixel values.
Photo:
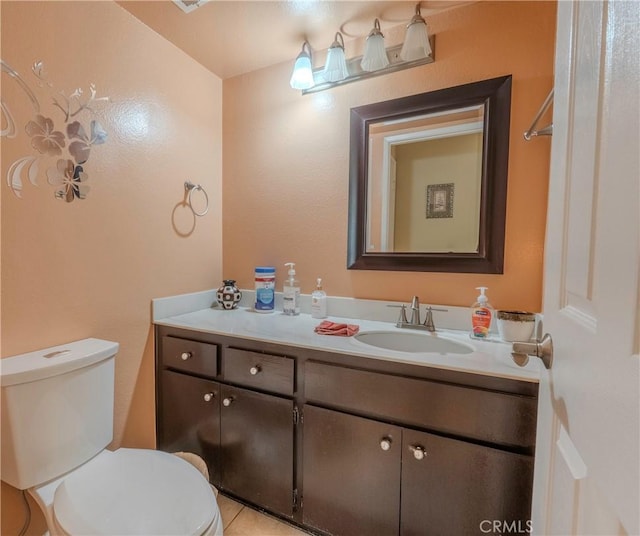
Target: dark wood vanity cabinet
(351, 473)
(189, 418)
(257, 448)
(345, 445)
(469, 461)
(451, 486)
(246, 437)
(362, 476)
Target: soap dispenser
(319, 301)
(481, 315)
(291, 292)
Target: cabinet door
(257, 434)
(455, 487)
(351, 474)
(189, 418)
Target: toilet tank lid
(54, 361)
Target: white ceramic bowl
(515, 325)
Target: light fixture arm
(337, 43)
(417, 17)
(307, 46)
(376, 29)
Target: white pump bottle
(318, 301)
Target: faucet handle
(428, 321)
(402, 319)
(403, 314)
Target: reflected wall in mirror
(430, 168)
(428, 180)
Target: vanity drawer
(268, 372)
(478, 414)
(190, 356)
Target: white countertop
(489, 358)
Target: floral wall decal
(68, 179)
(81, 148)
(9, 125)
(71, 143)
(43, 137)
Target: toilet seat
(135, 491)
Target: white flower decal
(68, 174)
(69, 180)
(44, 138)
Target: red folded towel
(326, 327)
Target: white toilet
(57, 419)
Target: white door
(587, 456)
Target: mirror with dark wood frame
(410, 220)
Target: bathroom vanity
(339, 441)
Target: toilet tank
(57, 410)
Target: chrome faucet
(414, 322)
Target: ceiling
(232, 37)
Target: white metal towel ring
(190, 187)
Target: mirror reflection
(428, 180)
(425, 181)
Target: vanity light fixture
(418, 49)
(416, 42)
(375, 55)
(302, 77)
(336, 67)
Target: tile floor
(240, 520)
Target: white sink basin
(413, 342)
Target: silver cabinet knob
(255, 369)
(209, 397)
(185, 355)
(227, 401)
(418, 452)
(385, 443)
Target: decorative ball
(228, 294)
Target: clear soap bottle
(319, 301)
(291, 292)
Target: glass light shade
(302, 76)
(336, 67)
(416, 44)
(375, 55)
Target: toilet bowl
(57, 419)
(130, 491)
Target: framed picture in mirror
(440, 200)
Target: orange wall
(90, 268)
(286, 161)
